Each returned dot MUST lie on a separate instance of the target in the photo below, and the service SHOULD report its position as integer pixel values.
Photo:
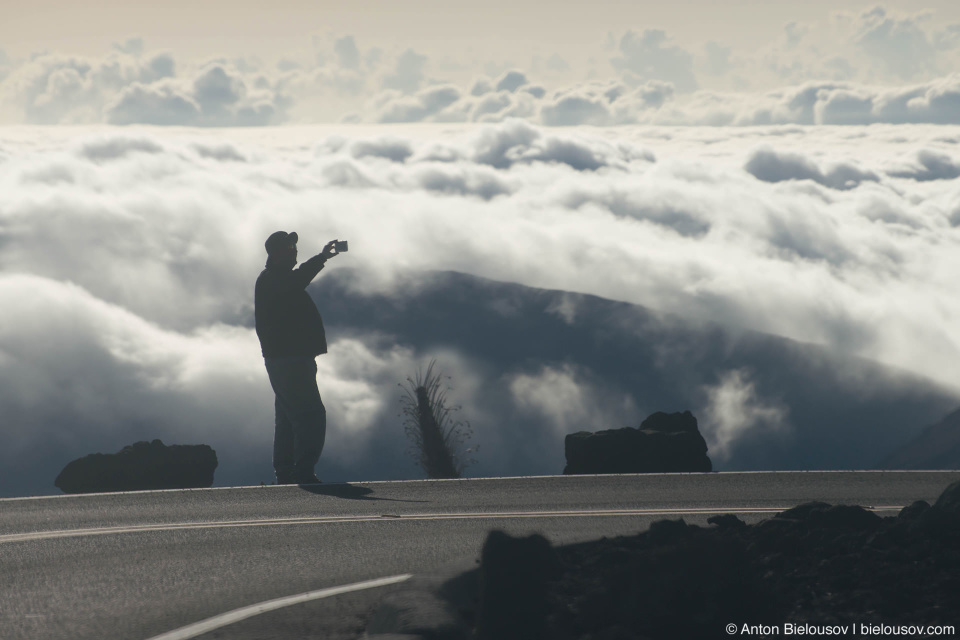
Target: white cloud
(926, 165)
(217, 96)
(162, 104)
(604, 104)
(734, 409)
(408, 74)
(127, 258)
(656, 102)
(51, 89)
(569, 401)
(396, 107)
(347, 52)
(841, 103)
(769, 165)
(79, 372)
(899, 43)
(128, 89)
(646, 56)
(872, 67)
(511, 81)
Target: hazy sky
(494, 27)
(227, 63)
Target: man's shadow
(347, 491)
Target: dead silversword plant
(437, 438)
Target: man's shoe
(284, 478)
(309, 478)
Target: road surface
(135, 566)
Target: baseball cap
(279, 240)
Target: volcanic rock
(664, 443)
(141, 466)
(949, 500)
(815, 564)
(513, 586)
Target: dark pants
(301, 419)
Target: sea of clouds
(874, 65)
(128, 257)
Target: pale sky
(228, 63)
(231, 27)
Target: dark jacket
(288, 323)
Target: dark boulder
(942, 520)
(675, 581)
(814, 566)
(949, 500)
(821, 514)
(141, 466)
(514, 574)
(914, 511)
(664, 443)
(726, 521)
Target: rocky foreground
(808, 569)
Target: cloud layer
(851, 68)
(127, 258)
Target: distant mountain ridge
(935, 447)
(838, 411)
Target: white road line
(98, 531)
(222, 620)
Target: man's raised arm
(308, 270)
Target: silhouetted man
(291, 337)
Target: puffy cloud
(655, 102)
(132, 46)
(932, 102)
(769, 165)
(598, 104)
(575, 110)
(874, 46)
(935, 102)
(347, 52)
(511, 81)
(344, 82)
(446, 103)
(128, 89)
(408, 74)
(569, 400)
(463, 181)
(604, 104)
(480, 87)
(717, 58)
(394, 149)
(735, 409)
(645, 56)
(518, 142)
(163, 104)
(422, 106)
(53, 89)
(899, 43)
(129, 256)
(217, 96)
(89, 376)
(927, 165)
(81, 374)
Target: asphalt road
(136, 565)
